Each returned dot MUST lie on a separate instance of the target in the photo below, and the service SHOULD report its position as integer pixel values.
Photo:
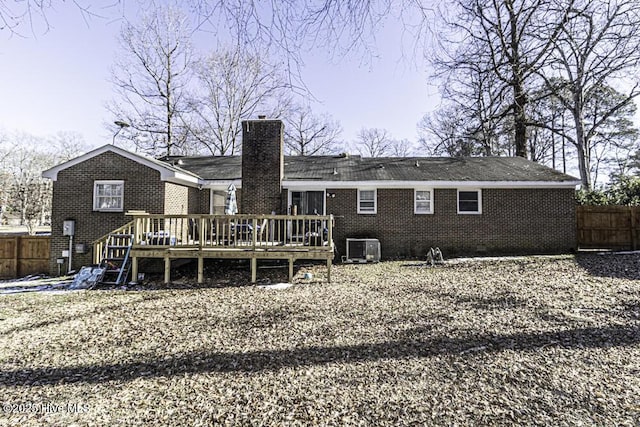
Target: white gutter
(320, 185)
(221, 184)
(166, 173)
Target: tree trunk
(584, 158)
(519, 93)
(564, 147)
(553, 143)
(520, 120)
(583, 153)
(168, 100)
(169, 130)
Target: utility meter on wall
(68, 227)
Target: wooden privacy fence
(23, 255)
(608, 227)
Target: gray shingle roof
(356, 168)
(210, 167)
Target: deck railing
(256, 232)
(200, 236)
(99, 243)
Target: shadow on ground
(610, 264)
(219, 273)
(51, 320)
(273, 360)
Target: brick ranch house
(462, 205)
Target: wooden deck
(253, 237)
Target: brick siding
(181, 200)
(143, 190)
(262, 166)
(513, 221)
(195, 204)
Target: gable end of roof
(167, 172)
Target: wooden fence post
(16, 256)
(632, 227)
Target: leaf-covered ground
(546, 341)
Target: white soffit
(222, 184)
(166, 173)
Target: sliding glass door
(307, 202)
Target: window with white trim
(422, 201)
(367, 201)
(469, 201)
(108, 196)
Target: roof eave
(391, 184)
(166, 173)
(221, 184)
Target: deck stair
(174, 237)
(116, 260)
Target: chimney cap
(262, 116)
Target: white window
(469, 202)
(108, 196)
(423, 201)
(367, 202)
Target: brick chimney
(262, 166)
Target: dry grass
(548, 341)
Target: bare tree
(26, 193)
(498, 41)
(475, 98)
(234, 85)
(402, 148)
(65, 145)
(23, 190)
(307, 134)
(599, 45)
(5, 149)
(290, 25)
(442, 131)
(151, 78)
(374, 142)
(15, 15)
(616, 136)
(457, 130)
(550, 129)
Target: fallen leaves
(531, 341)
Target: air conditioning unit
(363, 250)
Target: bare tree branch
(307, 134)
(151, 79)
(235, 85)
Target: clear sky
(59, 81)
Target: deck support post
(134, 269)
(164, 237)
(200, 269)
(254, 268)
(201, 232)
(167, 269)
(291, 261)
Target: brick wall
(512, 222)
(181, 200)
(143, 190)
(205, 201)
(195, 203)
(262, 166)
